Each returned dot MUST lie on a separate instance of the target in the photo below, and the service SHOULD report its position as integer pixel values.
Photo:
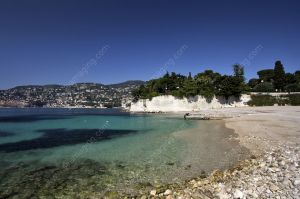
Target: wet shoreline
(86, 178)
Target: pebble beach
(272, 134)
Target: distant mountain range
(76, 95)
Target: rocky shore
(273, 170)
(276, 174)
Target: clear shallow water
(63, 153)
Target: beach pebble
(153, 192)
(167, 192)
(223, 195)
(238, 194)
(297, 182)
(169, 197)
(274, 188)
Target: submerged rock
(54, 181)
(111, 195)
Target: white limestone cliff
(168, 103)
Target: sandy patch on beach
(265, 126)
(210, 146)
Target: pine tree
(238, 70)
(190, 76)
(279, 76)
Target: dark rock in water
(12, 168)
(120, 166)
(9, 193)
(203, 174)
(31, 118)
(61, 137)
(5, 164)
(143, 185)
(5, 134)
(187, 167)
(111, 195)
(43, 169)
(55, 181)
(170, 163)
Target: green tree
(253, 82)
(264, 87)
(279, 76)
(238, 70)
(290, 78)
(297, 75)
(208, 73)
(205, 82)
(267, 75)
(136, 94)
(292, 87)
(190, 75)
(229, 86)
(190, 87)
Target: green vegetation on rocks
(209, 84)
(264, 87)
(268, 100)
(271, 80)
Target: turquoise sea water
(86, 153)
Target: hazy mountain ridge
(121, 84)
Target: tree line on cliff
(209, 83)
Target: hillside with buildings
(76, 95)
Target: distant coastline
(83, 95)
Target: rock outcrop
(170, 103)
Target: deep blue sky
(49, 41)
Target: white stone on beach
(274, 188)
(297, 182)
(238, 194)
(167, 192)
(153, 192)
(169, 197)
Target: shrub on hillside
(294, 99)
(292, 87)
(262, 100)
(264, 87)
(267, 100)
